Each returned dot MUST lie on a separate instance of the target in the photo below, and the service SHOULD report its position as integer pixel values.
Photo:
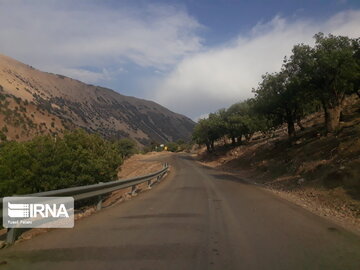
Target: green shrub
(2, 136)
(172, 147)
(126, 147)
(48, 163)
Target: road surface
(197, 218)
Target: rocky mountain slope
(34, 102)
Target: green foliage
(172, 146)
(126, 147)
(183, 145)
(241, 120)
(284, 97)
(356, 44)
(310, 77)
(207, 131)
(335, 73)
(237, 121)
(2, 136)
(48, 163)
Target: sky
(193, 56)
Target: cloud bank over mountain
(156, 50)
(218, 77)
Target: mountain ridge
(34, 102)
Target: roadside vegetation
(311, 79)
(48, 162)
(300, 134)
(178, 146)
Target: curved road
(197, 218)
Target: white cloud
(86, 75)
(215, 78)
(92, 41)
(63, 36)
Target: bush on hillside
(48, 163)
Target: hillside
(33, 102)
(319, 172)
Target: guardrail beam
(90, 191)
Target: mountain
(33, 102)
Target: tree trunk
(341, 117)
(212, 145)
(290, 123)
(208, 147)
(239, 139)
(291, 128)
(233, 140)
(332, 118)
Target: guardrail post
(99, 204)
(149, 184)
(11, 235)
(133, 190)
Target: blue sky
(192, 56)
(228, 18)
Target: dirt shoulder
(316, 171)
(333, 204)
(138, 165)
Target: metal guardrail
(88, 192)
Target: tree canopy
(312, 77)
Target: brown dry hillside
(34, 102)
(320, 170)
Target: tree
(334, 74)
(172, 146)
(298, 81)
(201, 133)
(324, 75)
(217, 127)
(241, 120)
(208, 130)
(285, 97)
(126, 147)
(276, 100)
(234, 127)
(356, 44)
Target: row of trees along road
(311, 78)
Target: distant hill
(33, 102)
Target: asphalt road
(197, 218)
